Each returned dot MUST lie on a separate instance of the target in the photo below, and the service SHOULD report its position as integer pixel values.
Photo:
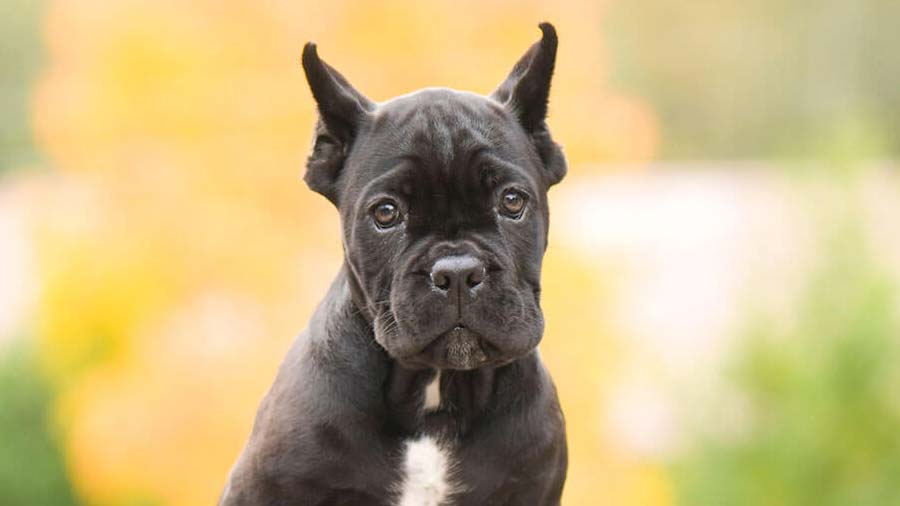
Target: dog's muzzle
(458, 279)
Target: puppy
(418, 381)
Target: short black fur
(350, 393)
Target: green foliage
(824, 402)
(20, 59)
(762, 79)
(32, 471)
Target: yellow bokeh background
(179, 251)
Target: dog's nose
(455, 273)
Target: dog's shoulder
(320, 406)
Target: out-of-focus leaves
(32, 467)
(763, 79)
(20, 60)
(822, 400)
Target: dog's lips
(458, 348)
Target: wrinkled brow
(496, 170)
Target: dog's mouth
(460, 348)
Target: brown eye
(512, 203)
(386, 214)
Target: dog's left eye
(512, 203)
(386, 213)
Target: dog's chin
(459, 348)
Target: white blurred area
(17, 272)
(695, 249)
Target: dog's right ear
(342, 110)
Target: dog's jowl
(418, 380)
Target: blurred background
(720, 287)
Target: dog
(418, 381)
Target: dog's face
(445, 221)
(443, 203)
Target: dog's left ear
(342, 110)
(525, 93)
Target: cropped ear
(342, 110)
(525, 93)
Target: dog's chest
(428, 465)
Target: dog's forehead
(441, 125)
(441, 104)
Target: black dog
(418, 382)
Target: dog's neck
(465, 396)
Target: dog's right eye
(386, 213)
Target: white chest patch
(427, 467)
(433, 393)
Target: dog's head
(443, 202)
